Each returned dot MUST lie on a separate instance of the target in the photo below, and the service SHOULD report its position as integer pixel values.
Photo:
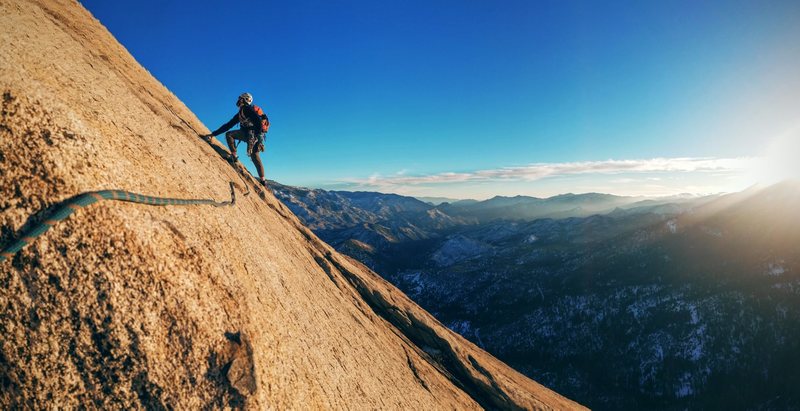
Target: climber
(253, 124)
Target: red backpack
(264, 118)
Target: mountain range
(622, 303)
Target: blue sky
(478, 98)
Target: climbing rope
(181, 119)
(68, 207)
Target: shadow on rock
(232, 370)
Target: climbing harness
(66, 208)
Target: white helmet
(245, 98)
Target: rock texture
(132, 306)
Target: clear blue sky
(403, 96)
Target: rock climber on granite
(253, 124)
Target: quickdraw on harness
(66, 208)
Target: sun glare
(779, 162)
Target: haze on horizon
(473, 100)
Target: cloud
(538, 171)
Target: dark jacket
(247, 118)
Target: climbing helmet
(245, 98)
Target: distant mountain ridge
(322, 209)
(437, 200)
(389, 216)
(560, 206)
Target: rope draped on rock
(66, 208)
